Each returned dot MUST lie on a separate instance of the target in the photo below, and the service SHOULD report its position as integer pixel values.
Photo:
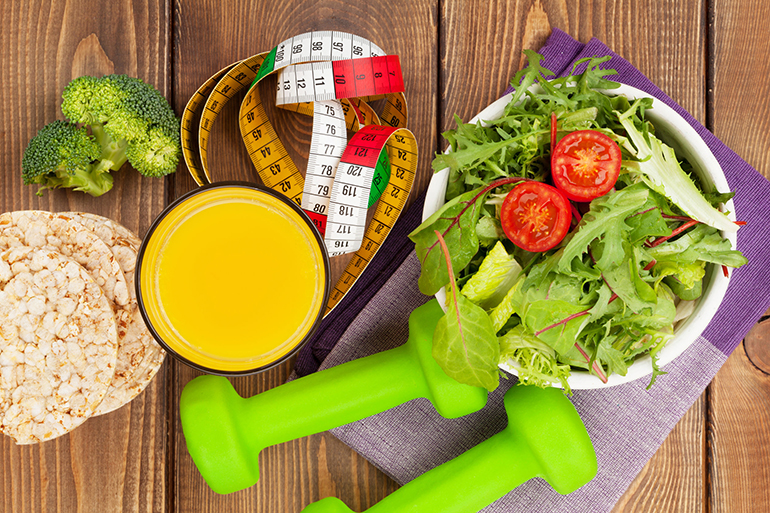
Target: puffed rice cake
(58, 344)
(139, 355)
(37, 228)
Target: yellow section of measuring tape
(402, 151)
(190, 149)
(273, 163)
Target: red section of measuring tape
(395, 78)
(344, 85)
(319, 220)
(363, 77)
(380, 74)
(359, 115)
(359, 78)
(364, 148)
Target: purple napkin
(627, 423)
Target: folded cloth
(627, 423)
(395, 249)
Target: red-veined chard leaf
(456, 222)
(464, 343)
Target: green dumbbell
(225, 432)
(544, 438)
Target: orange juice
(233, 279)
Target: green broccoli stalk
(128, 120)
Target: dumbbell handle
(545, 437)
(337, 396)
(225, 432)
(465, 484)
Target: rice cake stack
(66, 286)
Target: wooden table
(713, 57)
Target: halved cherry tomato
(535, 216)
(585, 165)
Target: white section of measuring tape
(346, 223)
(323, 46)
(327, 144)
(305, 83)
(300, 81)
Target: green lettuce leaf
(489, 230)
(605, 220)
(501, 314)
(660, 316)
(624, 280)
(611, 357)
(659, 164)
(647, 223)
(686, 273)
(494, 278)
(465, 344)
(550, 315)
(701, 242)
(456, 221)
(535, 362)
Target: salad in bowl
(578, 233)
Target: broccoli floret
(155, 154)
(61, 155)
(127, 118)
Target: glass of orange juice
(232, 278)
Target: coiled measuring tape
(331, 76)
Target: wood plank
(673, 478)
(481, 46)
(740, 410)
(208, 37)
(115, 462)
(481, 50)
(740, 61)
(738, 425)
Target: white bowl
(674, 130)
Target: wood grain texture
(739, 420)
(740, 60)
(115, 462)
(710, 56)
(673, 478)
(485, 43)
(738, 427)
(296, 473)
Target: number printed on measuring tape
(331, 76)
(345, 231)
(355, 78)
(322, 46)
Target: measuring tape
(331, 76)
